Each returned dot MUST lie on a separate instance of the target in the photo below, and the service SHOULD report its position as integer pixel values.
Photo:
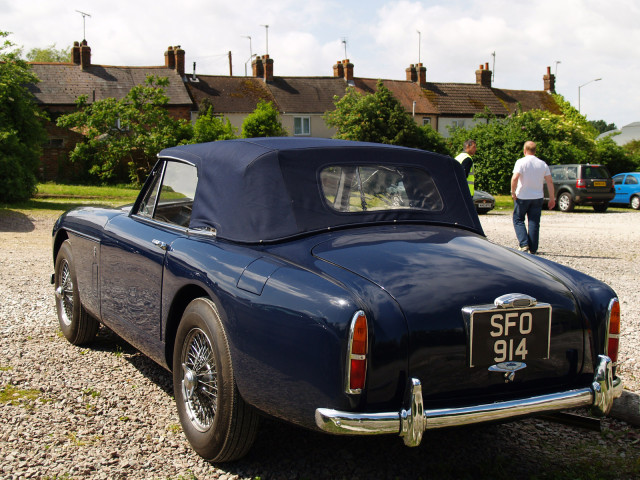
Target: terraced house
(301, 101)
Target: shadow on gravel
(11, 221)
(590, 257)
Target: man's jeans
(533, 210)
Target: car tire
(565, 202)
(635, 202)
(76, 324)
(600, 207)
(219, 425)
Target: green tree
(601, 126)
(209, 128)
(21, 126)
(380, 118)
(49, 54)
(131, 130)
(264, 121)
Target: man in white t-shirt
(529, 176)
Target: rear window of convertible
(360, 188)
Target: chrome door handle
(161, 244)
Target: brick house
(62, 83)
(301, 101)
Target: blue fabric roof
(268, 189)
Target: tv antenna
(419, 42)
(84, 17)
(493, 68)
(267, 30)
(344, 42)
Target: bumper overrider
(410, 423)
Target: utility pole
(230, 65)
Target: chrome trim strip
(411, 423)
(515, 300)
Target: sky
(580, 40)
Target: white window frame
(302, 119)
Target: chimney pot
(85, 55)
(179, 53)
(170, 58)
(549, 81)
(483, 76)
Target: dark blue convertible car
(341, 286)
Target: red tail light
(357, 354)
(581, 184)
(613, 333)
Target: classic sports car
(342, 286)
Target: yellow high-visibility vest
(472, 173)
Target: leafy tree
(617, 159)
(380, 118)
(601, 126)
(264, 121)
(21, 127)
(209, 128)
(131, 130)
(49, 54)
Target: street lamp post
(590, 81)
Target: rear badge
(509, 369)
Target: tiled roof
(230, 94)
(62, 83)
(404, 91)
(463, 99)
(528, 99)
(306, 94)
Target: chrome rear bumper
(410, 423)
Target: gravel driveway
(107, 412)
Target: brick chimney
(549, 81)
(338, 70)
(348, 70)
(75, 53)
(422, 74)
(257, 67)
(483, 75)
(412, 73)
(267, 63)
(85, 55)
(170, 59)
(179, 53)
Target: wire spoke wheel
(199, 383)
(64, 294)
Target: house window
(301, 125)
(426, 120)
(457, 123)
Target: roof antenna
(84, 16)
(419, 42)
(344, 42)
(267, 30)
(493, 72)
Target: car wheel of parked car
(600, 207)
(635, 202)
(76, 324)
(217, 422)
(565, 202)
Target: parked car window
(371, 187)
(617, 180)
(592, 172)
(171, 200)
(572, 173)
(630, 180)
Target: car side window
(170, 198)
(631, 180)
(572, 173)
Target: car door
(134, 250)
(622, 190)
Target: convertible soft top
(268, 189)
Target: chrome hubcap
(199, 380)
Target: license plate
(599, 184)
(484, 205)
(499, 335)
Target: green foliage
(617, 159)
(125, 134)
(49, 54)
(601, 126)
(264, 121)
(561, 139)
(21, 127)
(209, 128)
(380, 118)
